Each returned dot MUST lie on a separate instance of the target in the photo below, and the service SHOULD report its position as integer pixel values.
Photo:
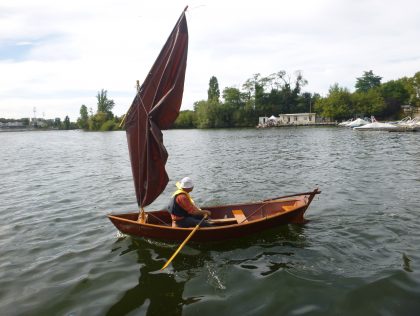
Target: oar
(183, 243)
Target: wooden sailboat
(229, 221)
(155, 107)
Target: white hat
(186, 183)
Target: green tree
(256, 96)
(57, 122)
(223, 116)
(103, 119)
(367, 103)
(82, 121)
(235, 102)
(213, 92)
(108, 125)
(286, 94)
(205, 114)
(249, 86)
(395, 94)
(413, 88)
(186, 119)
(105, 105)
(367, 81)
(233, 96)
(209, 113)
(97, 120)
(299, 83)
(66, 123)
(337, 105)
(305, 103)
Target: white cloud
(70, 50)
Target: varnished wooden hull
(260, 216)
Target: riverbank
(6, 130)
(298, 125)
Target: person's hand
(206, 212)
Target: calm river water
(359, 254)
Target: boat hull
(259, 216)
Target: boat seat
(239, 216)
(289, 207)
(294, 206)
(222, 221)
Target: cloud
(57, 55)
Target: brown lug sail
(155, 107)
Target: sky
(56, 55)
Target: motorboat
(358, 122)
(376, 126)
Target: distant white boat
(345, 123)
(408, 124)
(376, 126)
(358, 122)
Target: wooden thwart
(240, 216)
(294, 206)
(289, 207)
(222, 221)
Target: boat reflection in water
(210, 265)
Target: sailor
(183, 210)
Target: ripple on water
(358, 254)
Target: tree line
(371, 97)
(277, 93)
(41, 123)
(258, 96)
(280, 93)
(103, 119)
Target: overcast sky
(56, 55)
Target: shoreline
(299, 125)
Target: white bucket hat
(186, 183)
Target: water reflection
(160, 293)
(286, 235)
(157, 292)
(365, 224)
(268, 252)
(406, 263)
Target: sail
(155, 107)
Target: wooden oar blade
(183, 244)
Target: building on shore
(25, 123)
(12, 124)
(41, 123)
(288, 119)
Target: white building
(297, 118)
(15, 124)
(39, 122)
(289, 119)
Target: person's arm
(190, 208)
